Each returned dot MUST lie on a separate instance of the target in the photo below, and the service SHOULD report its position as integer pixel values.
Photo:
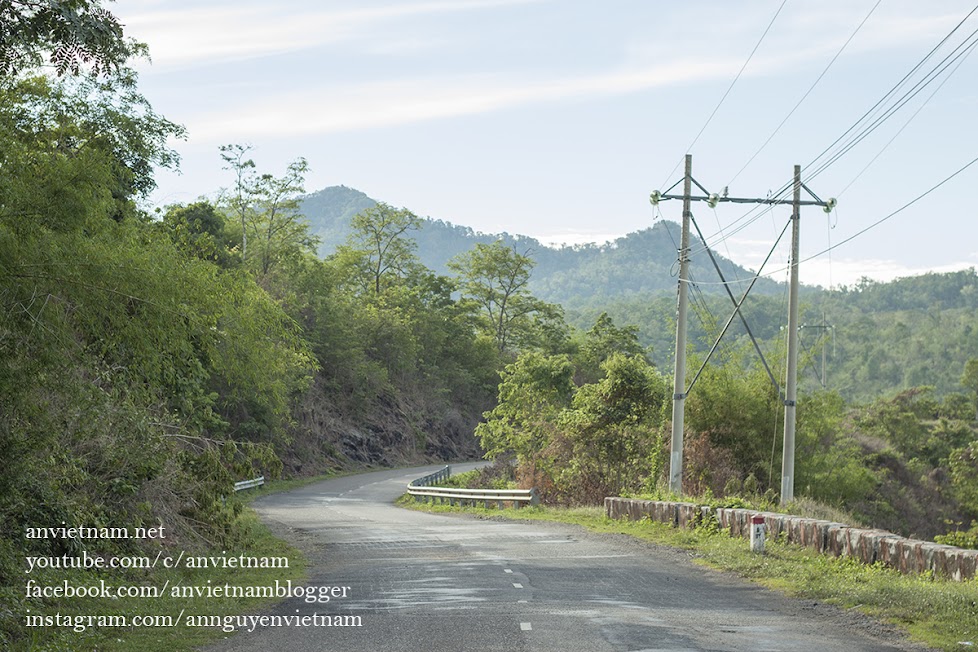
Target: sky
(557, 118)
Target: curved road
(434, 583)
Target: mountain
(329, 212)
(638, 264)
(878, 338)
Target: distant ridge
(639, 263)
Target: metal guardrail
(248, 484)
(422, 490)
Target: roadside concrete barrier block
(868, 546)
(613, 507)
(775, 524)
(807, 532)
(665, 513)
(881, 544)
(858, 543)
(933, 557)
(687, 514)
(735, 521)
(637, 509)
(836, 537)
(825, 535)
(793, 528)
(944, 561)
(890, 551)
(732, 519)
(963, 564)
(743, 522)
(706, 513)
(658, 511)
(909, 556)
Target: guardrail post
(534, 497)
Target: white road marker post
(757, 534)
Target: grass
(460, 480)
(940, 613)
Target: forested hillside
(878, 338)
(633, 280)
(638, 264)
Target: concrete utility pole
(679, 383)
(791, 382)
(679, 386)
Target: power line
(874, 110)
(968, 45)
(895, 89)
(730, 88)
(896, 212)
(765, 209)
(807, 93)
(910, 119)
(868, 228)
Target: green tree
(379, 252)
(532, 392)
(73, 33)
(830, 464)
(281, 230)
(496, 278)
(199, 229)
(736, 407)
(65, 121)
(603, 340)
(613, 422)
(267, 208)
(964, 477)
(239, 199)
(969, 380)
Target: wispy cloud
(201, 35)
(385, 103)
(391, 103)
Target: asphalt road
(435, 582)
